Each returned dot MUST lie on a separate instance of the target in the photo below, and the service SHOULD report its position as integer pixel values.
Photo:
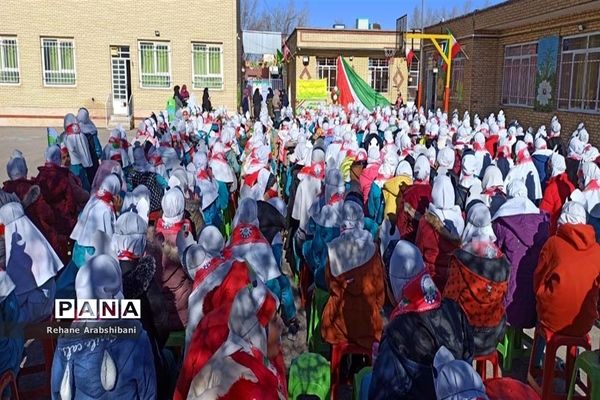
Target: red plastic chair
(553, 342)
(337, 354)
(7, 379)
(481, 364)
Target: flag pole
(420, 86)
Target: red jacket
(212, 330)
(38, 211)
(436, 245)
(557, 190)
(566, 280)
(491, 144)
(414, 203)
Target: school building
(120, 59)
(531, 58)
(370, 52)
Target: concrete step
(123, 120)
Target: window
(208, 66)
(326, 69)
(579, 86)
(520, 64)
(9, 61)
(155, 64)
(413, 79)
(59, 62)
(458, 77)
(379, 71)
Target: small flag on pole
(456, 48)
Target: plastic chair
(358, 380)
(481, 364)
(309, 375)
(511, 347)
(8, 380)
(337, 353)
(589, 362)
(48, 344)
(553, 342)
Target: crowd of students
(416, 236)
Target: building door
(121, 80)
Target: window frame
(155, 59)
(209, 75)
(520, 87)
(377, 71)
(458, 68)
(586, 52)
(8, 37)
(58, 40)
(328, 68)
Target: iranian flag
(456, 48)
(410, 54)
(353, 89)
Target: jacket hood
(494, 269)
(579, 236)
(524, 226)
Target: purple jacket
(521, 238)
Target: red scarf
(205, 270)
(171, 229)
(106, 197)
(127, 255)
(336, 198)
(203, 175)
(418, 295)
(73, 129)
(478, 146)
(593, 185)
(218, 157)
(251, 179)
(316, 170)
(522, 157)
(244, 234)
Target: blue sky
(323, 13)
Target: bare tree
(433, 16)
(277, 18)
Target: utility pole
(421, 68)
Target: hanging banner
(545, 76)
(311, 89)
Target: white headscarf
(30, 260)
(591, 180)
(76, 142)
(468, 170)
(97, 215)
(492, 179)
(406, 263)
(247, 213)
(100, 278)
(572, 213)
(479, 225)
(53, 155)
(212, 241)
(173, 206)
(140, 163)
(443, 207)
(422, 168)
(558, 164)
(219, 165)
(16, 167)
(138, 201)
(85, 123)
(518, 203)
(404, 169)
(130, 235)
(445, 159)
(354, 247)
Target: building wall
(360, 45)
(483, 38)
(95, 25)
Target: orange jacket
(353, 312)
(566, 280)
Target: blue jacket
(83, 357)
(11, 335)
